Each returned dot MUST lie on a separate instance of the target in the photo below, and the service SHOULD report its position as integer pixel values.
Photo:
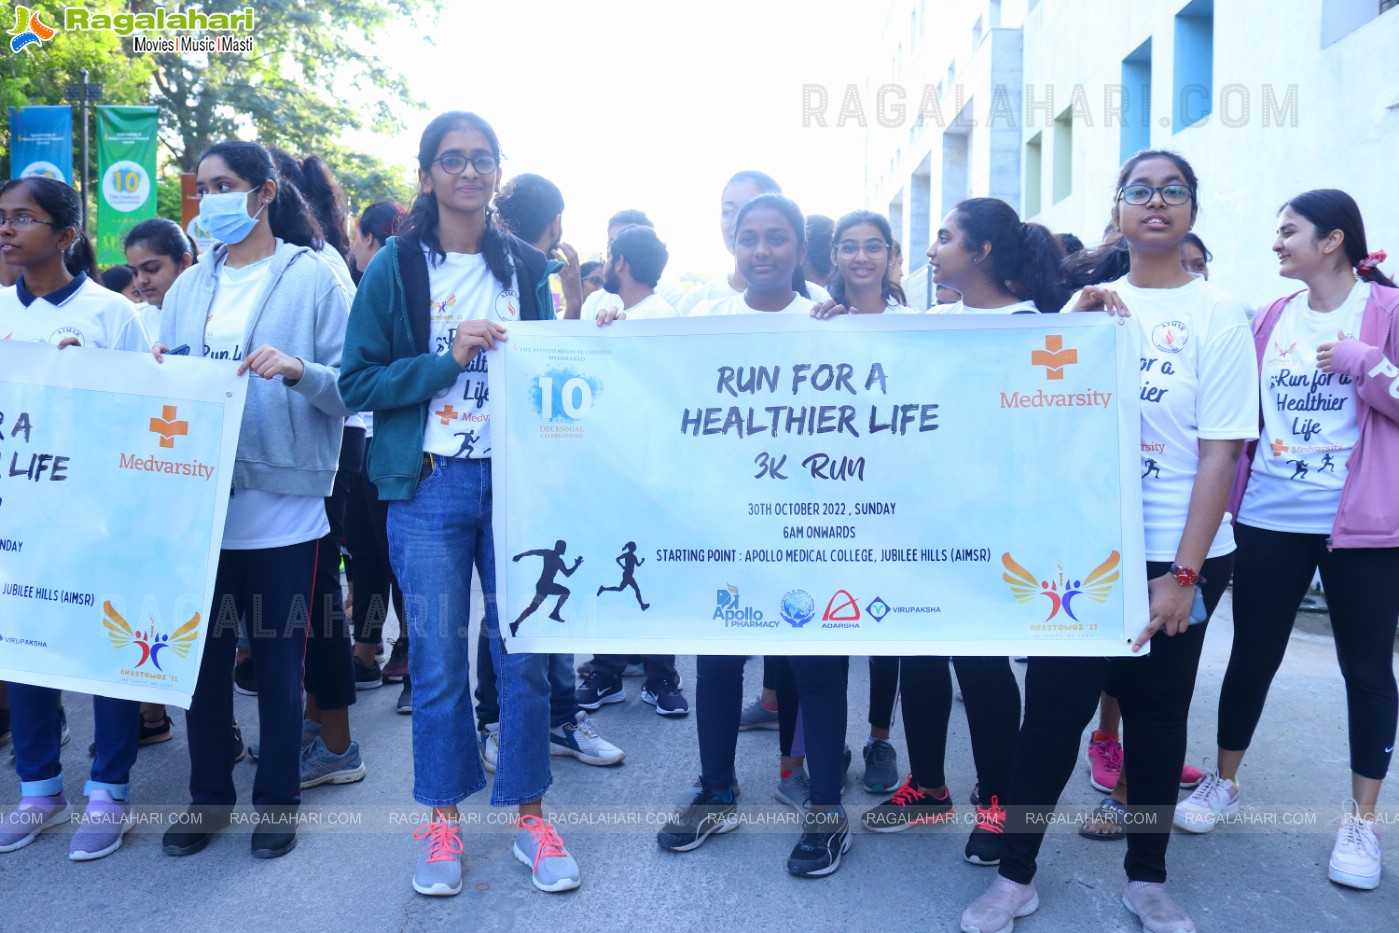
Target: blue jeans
(563, 686)
(435, 539)
(36, 731)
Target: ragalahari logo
(167, 427)
(1053, 357)
(150, 642)
(842, 608)
(29, 29)
(1061, 592)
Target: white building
(1037, 102)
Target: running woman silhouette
(546, 587)
(628, 561)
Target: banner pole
(87, 180)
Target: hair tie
(1370, 262)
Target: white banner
(114, 479)
(890, 485)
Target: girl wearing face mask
(264, 300)
(1317, 493)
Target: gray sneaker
(881, 767)
(105, 821)
(319, 765)
(438, 872)
(538, 846)
(33, 815)
(795, 790)
(757, 716)
(1157, 910)
(310, 731)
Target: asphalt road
(352, 867)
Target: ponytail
(80, 257)
(1106, 262)
(1040, 279)
(1025, 258)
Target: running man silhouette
(1300, 469)
(1151, 468)
(628, 561)
(468, 440)
(1327, 463)
(546, 587)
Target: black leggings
(330, 673)
(992, 700)
(375, 586)
(1061, 698)
(884, 690)
(1271, 576)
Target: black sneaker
(984, 844)
(405, 696)
(599, 688)
(908, 807)
(666, 697)
(708, 813)
(240, 751)
(396, 667)
(245, 678)
(194, 828)
(367, 677)
(825, 838)
(275, 834)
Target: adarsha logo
(842, 611)
(168, 428)
(29, 29)
(1063, 591)
(1053, 357)
(728, 611)
(150, 642)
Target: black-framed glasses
(454, 163)
(1142, 194)
(849, 248)
(23, 221)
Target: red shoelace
(547, 843)
(444, 839)
(991, 819)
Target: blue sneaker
(319, 765)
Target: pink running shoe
(1190, 778)
(1104, 761)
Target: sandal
(155, 733)
(1107, 821)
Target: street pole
(83, 93)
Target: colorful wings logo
(150, 642)
(29, 30)
(1061, 592)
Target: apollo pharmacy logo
(29, 29)
(728, 609)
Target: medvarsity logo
(166, 428)
(728, 610)
(1061, 592)
(29, 29)
(150, 642)
(1055, 358)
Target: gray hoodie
(289, 441)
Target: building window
(976, 34)
(1063, 155)
(1339, 18)
(1034, 175)
(1136, 101)
(1194, 64)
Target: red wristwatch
(1186, 576)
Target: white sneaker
(1355, 862)
(490, 746)
(581, 740)
(1215, 799)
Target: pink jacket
(1368, 515)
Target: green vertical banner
(126, 138)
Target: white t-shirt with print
(1199, 381)
(257, 519)
(737, 305)
(462, 287)
(720, 289)
(96, 316)
(957, 307)
(652, 307)
(1309, 421)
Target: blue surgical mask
(225, 216)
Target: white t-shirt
(650, 308)
(720, 289)
(463, 288)
(257, 519)
(602, 300)
(1199, 381)
(1309, 424)
(737, 305)
(150, 321)
(96, 316)
(957, 307)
